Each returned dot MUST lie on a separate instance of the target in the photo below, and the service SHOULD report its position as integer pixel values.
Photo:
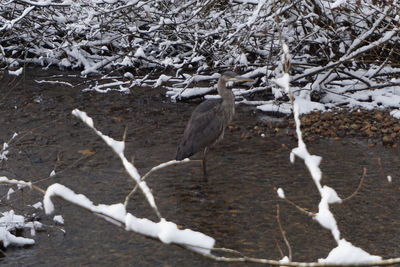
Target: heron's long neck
(228, 100)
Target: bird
(207, 124)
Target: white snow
(243, 59)
(16, 72)
(38, 205)
(5, 180)
(162, 79)
(127, 61)
(272, 106)
(116, 211)
(346, 253)
(54, 82)
(9, 193)
(324, 215)
(140, 53)
(284, 260)
(165, 231)
(83, 116)
(256, 13)
(128, 75)
(118, 147)
(4, 152)
(168, 163)
(307, 106)
(53, 172)
(389, 178)
(9, 239)
(65, 193)
(33, 226)
(10, 221)
(283, 82)
(168, 232)
(178, 93)
(58, 219)
(281, 193)
(395, 113)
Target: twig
(63, 170)
(279, 248)
(156, 168)
(300, 264)
(308, 213)
(358, 187)
(381, 167)
(386, 37)
(283, 232)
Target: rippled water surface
(237, 206)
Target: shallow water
(237, 206)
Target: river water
(236, 206)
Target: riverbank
(373, 126)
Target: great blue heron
(207, 124)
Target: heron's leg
(204, 164)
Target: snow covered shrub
(338, 45)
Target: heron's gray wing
(203, 129)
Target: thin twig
(156, 168)
(358, 187)
(306, 212)
(381, 167)
(283, 232)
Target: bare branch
(360, 184)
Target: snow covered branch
(118, 147)
(167, 232)
(345, 252)
(335, 44)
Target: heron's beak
(241, 79)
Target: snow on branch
(345, 252)
(10, 221)
(8, 25)
(167, 232)
(331, 41)
(118, 147)
(5, 180)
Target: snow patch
(346, 253)
(38, 205)
(16, 72)
(59, 219)
(272, 106)
(395, 113)
(281, 193)
(8, 222)
(9, 193)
